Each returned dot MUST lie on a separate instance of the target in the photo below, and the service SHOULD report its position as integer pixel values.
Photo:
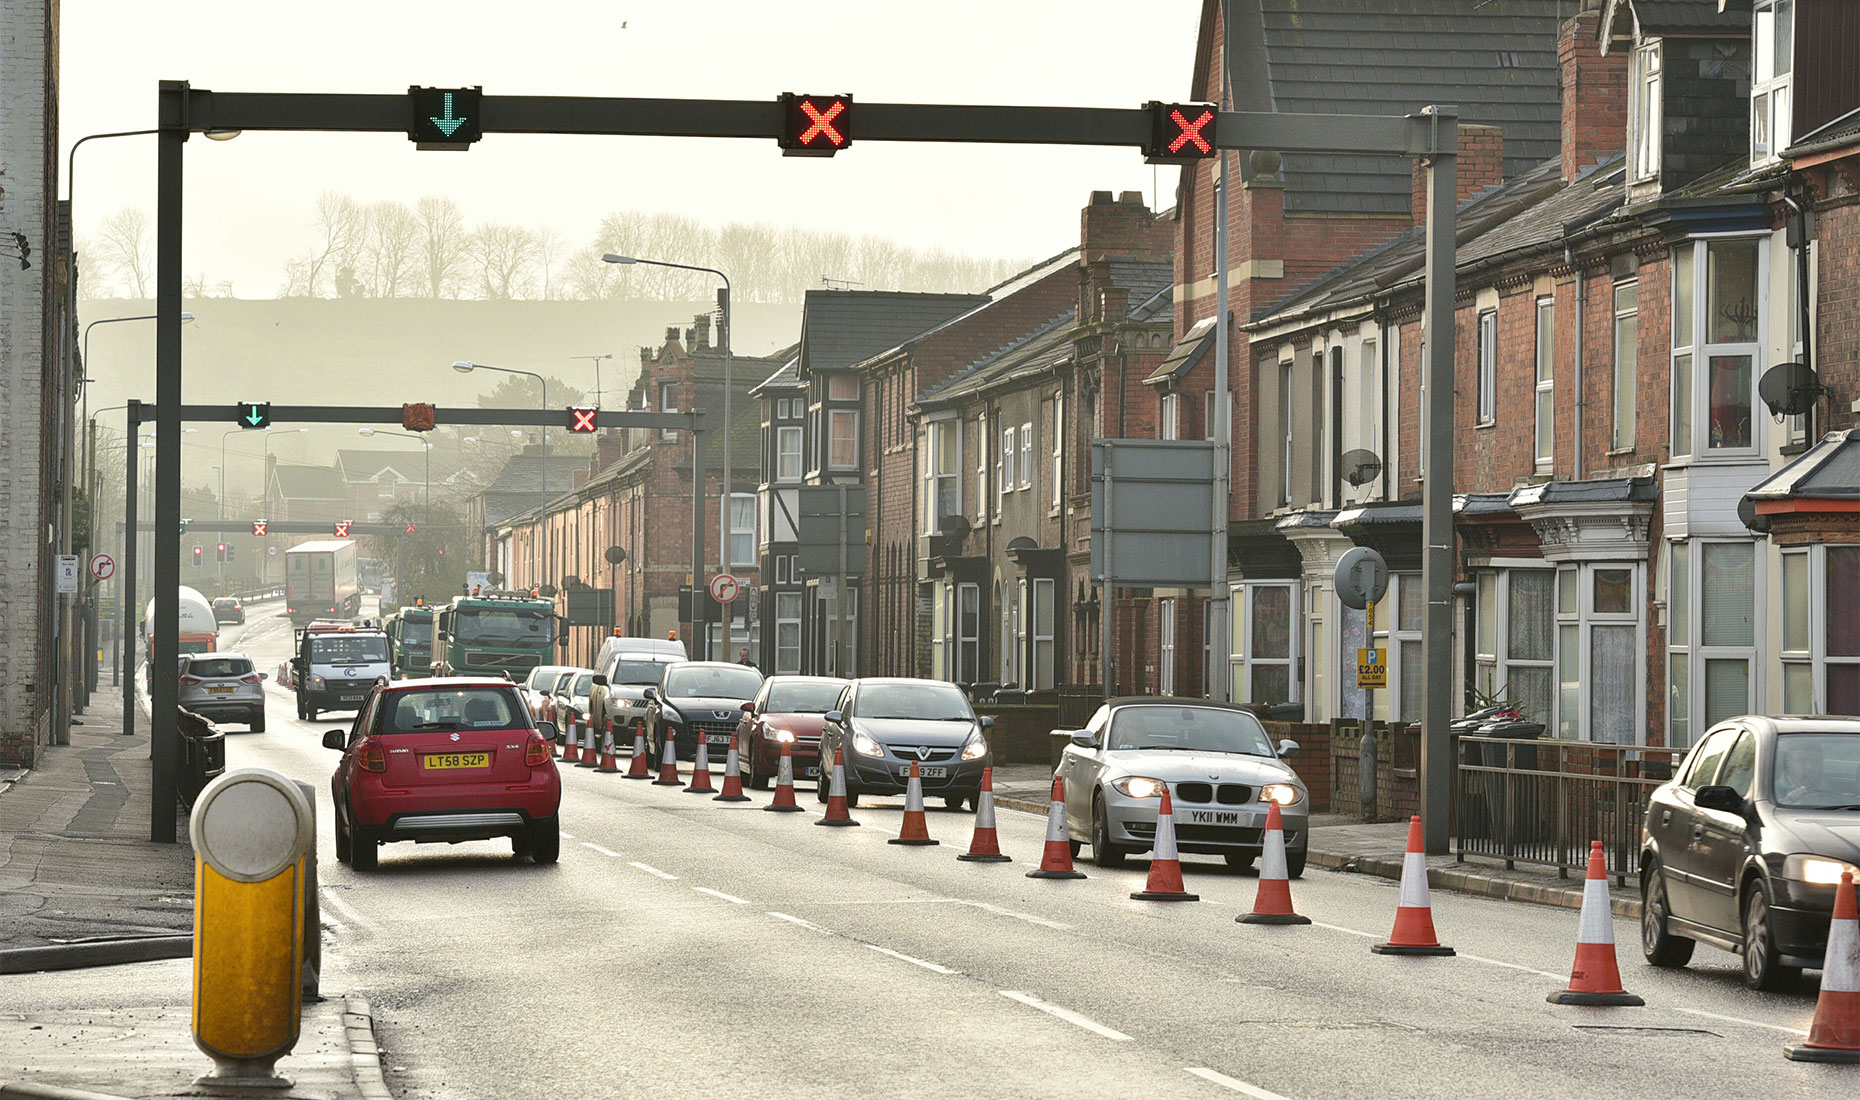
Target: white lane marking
(347, 911)
(1741, 1020)
(731, 898)
(1000, 912)
(568, 836)
(914, 961)
(1233, 1083)
(1067, 1015)
(1515, 966)
(1341, 928)
(791, 919)
(654, 871)
(601, 850)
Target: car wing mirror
(749, 706)
(1717, 796)
(263, 676)
(835, 716)
(1287, 747)
(1084, 739)
(599, 680)
(548, 731)
(985, 721)
(650, 693)
(336, 739)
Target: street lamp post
(728, 480)
(429, 455)
(466, 366)
(264, 499)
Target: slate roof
(1671, 17)
(309, 482)
(1844, 130)
(1496, 60)
(524, 474)
(1187, 353)
(358, 464)
(842, 328)
(1044, 347)
(1830, 470)
(786, 378)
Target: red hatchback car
(788, 710)
(445, 761)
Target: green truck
(494, 634)
(410, 641)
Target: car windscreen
(638, 670)
(348, 649)
(712, 682)
(453, 708)
(924, 702)
(225, 601)
(544, 678)
(503, 626)
(804, 698)
(1817, 771)
(416, 633)
(1191, 729)
(211, 667)
(582, 683)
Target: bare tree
(390, 249)
(125, 249)
(442, 241)
(338, 221)
(504, 258)
(551, 259)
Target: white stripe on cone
(729, 763)
(838, 788)
(703, 755)
(1164, 846)
(1055, 821)
(914, 794)
(1272, 856)
(985, 811)
(607, 743)
(784, 771)
(1414, 882)
(1596, 925)
(1840, 972)
(587, 738)
(670, 756)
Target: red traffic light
(582, 420)
(197, 553)
(815, 125)
(222, 548)
(342, 528)
(258, 527)
(410, 527)
(1181, 133)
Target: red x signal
(342, 528)
(258, 527)
(820, 125)
(1191, 131)
(1181, 133)
(582, 420)
(410, 527)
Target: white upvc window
(1265, 645)
(1545, 419)
(1287, 369)
(1488, 366)
(942, 471)
(1515, 637)
(981, 469)
(843, 439)
(1645, 111)
(787, 632)
(788, 453)
(968, 625)
(1713, 605)
(742, 529)
(1821, 630)
(1004, 463)
(1719, 302)
(1367, 401)
(1772, 57)
(668, 403)
(1023, 618)
(940, 596)
(1600, 641)
(1627, 363)
(1026, 456)
(1044, 613)
(1165, 635)
(1059, 435)
(1166, 417)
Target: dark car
(789, 710)
(884, 725)
(1743, 849)
(228, 609)
(698, 699)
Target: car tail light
(536, 753)
(252, 679)
(192, 680)
(373, 757)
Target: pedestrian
(742, 658)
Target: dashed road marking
(601, 850)
(1067, 1015)
(1515, 966)
(807, 924)
(731, 898)
(568, 835)
(651, 870)
(1000, 912)
(1741, 1020)
(913, 960)
(1233, 1083)
(1341, 928)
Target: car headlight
(1140, 786)
(318, 682)
(1283, 793)
(1815, 870)
(865, 746)
(781, 736)
(975, 747)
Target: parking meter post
(254, 837)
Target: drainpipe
(1382, 397)
(1801, 301)
(1569, 258)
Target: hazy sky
(249, 199)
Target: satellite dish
(1747, 515)
(614, 554)
(1789, 389)
(1360, 467)
(955, 526)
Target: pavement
(89, 908)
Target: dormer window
(1772, 61)
(1644, 120)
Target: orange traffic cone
(571, 749)
(836, 794)
(609, 766)
(784, 786)
(700, 770)
(1835, 1034)
(590, 756)
(986, 847)
(1272, 902)
(641, 767)
(1414, 912)
(1596, 977)
(668, 765)
(916, 830)
(1165, 881)
(732, 780)
(1056, 861)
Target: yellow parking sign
(1372, 670)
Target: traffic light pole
(126, 582)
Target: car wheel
(1660, 946)
(310, 714)
(258, 722)
(1077, 846)
(364, 849)
(301, 716)
(955, 801)
(752, 775)
(1103, 852)
(1295, 862)
(545, 837)
(823, 786)
(343, 842)
(1239, 861)
(852, 800)
(1763, 968)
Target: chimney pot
(671, 334)
(1101, 198)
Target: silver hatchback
(223, 687)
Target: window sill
(1617, 452)
(1484, 424)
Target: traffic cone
(1056, 862)
(1272, 902)
(590, 757)
(609, 766)
(1414, 912)
(986, 847)
(1165, 881)
(784, 786)
(571, 749)
(1595, 979)
(1835, 1034)
(641, 767)
(668, 765)
(836, 794)
(916, 830)
(700, 770)
(732, 780)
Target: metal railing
(1544, 801)
(203, 755)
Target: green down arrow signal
(258, 416)
(447, 125)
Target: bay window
(1713, 602)
(1821, 630)
(787, 632)
(942, 472)
(788, 453)
(742, 529)
(1772, 64)
(968, 660)
(1515, 638)
(1263, 642)
(1717, 313)
(1599, 636)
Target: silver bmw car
(1217, 762)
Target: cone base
(1164, 895)
(731, 798)
(913, 842)
(1572, 997)
(586, 764)
(668, 782)
(838, 822)
(1055, 874)
(783, 809)
(972, 857)
(700, 790)
(1410, 949)
(1271, 918)
(1802, 1052)
(632, 776)
(608, 771)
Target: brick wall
(1594, 95)
(1837, 271)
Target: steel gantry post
(164, 729)
(1442, 161)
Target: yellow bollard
(253, 832)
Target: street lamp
(429, 456)
(466, 366)
(728, 480)
(90, 459)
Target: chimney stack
(1595, 95)
(1482, 165)
(702, 324)
(1124, 226)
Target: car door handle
(1698, 832)
(1666, 818)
